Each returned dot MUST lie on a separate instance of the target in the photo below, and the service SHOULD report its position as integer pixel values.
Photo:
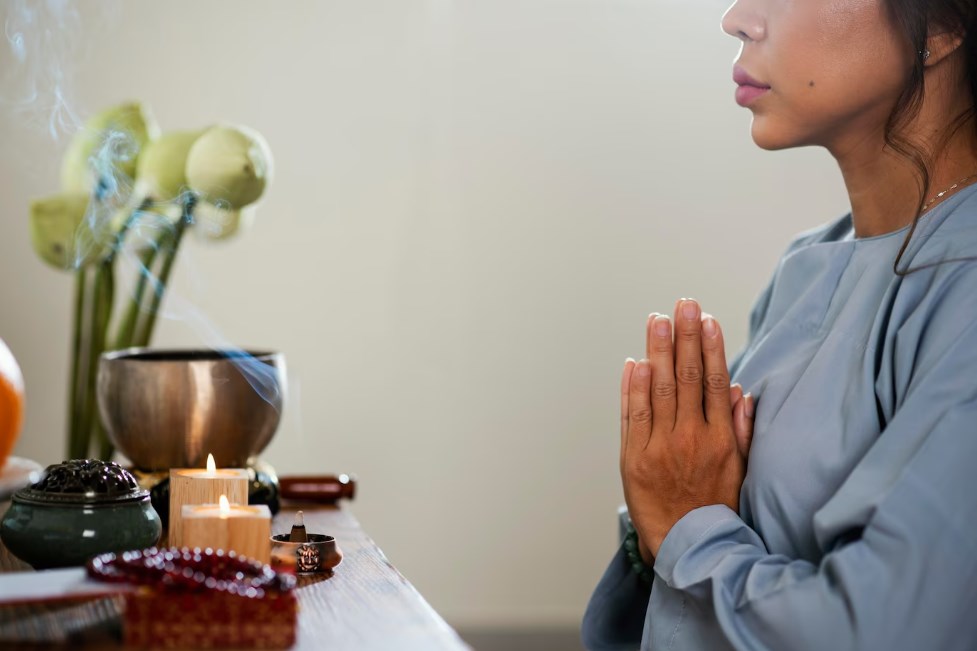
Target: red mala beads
(191, 570)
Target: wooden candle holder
(245, 530)
(196, 486)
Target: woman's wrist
(646, 555)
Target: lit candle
(243, 529)
(197, 486)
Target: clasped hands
(685, 432)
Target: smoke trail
(42, 40)
(149, 228)
(112, 195)
(41, 44)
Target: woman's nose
(743, 20)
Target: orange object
(11, 402)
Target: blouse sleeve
(908, 580)
(615, 615)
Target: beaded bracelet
(191, 570)
(645, 573)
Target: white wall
(476, 205)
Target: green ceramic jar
(79, 509)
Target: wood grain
(189, 486)
(246, 531)
(365, 605)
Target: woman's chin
(767, 136)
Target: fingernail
(628, 360)
(748, 405)
(709, 326)
(644, 369)
(661, 326)
(690, 309)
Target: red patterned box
(169, 619)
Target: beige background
(476, 205)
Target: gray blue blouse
(858, 515)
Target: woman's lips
(746, 95)
(749, 88)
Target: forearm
(884, 591)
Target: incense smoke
(41, 44)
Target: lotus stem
(124, 335)
(100, 308)
(149, 277)
(93, 310)
(105, 297)
(77, 445)
(144, 331)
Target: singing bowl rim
(116, 368)
(146, 354)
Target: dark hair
(914, 19)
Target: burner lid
(83, 481)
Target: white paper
(53, 585)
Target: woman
(856, 525)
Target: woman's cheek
(791, 115)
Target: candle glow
(204, 486)
(242, 528)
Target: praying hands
(685, 432)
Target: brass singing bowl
(169, 408)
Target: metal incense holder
(304, 553)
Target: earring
(925, 54)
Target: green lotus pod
(123, 130)
(229, 165)
(162, 168)
(220, 223)
(59, 232)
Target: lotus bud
(229, 165)
(60, 234)
(108, 144)
(162, 168)
(219, 222)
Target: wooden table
(365, 604)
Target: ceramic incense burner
(79, 509)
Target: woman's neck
(882, 192)
(884, 189)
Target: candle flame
(225, 506)
(211, 465)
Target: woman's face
(834, 68)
